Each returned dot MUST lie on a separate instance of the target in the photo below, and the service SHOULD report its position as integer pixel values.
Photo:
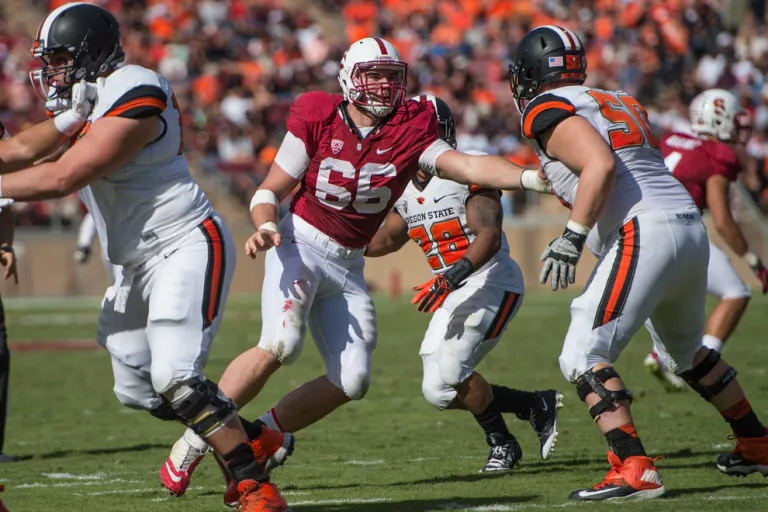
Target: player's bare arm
(109, 145)
(264, 215)
(576, 143)
(484, 218)
(7, 231)
(391, 236)
(718, 187)
(40, 140)
(489, 172)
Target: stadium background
(236, 65)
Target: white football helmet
(378, 96)
(717, 112)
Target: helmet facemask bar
(521, 94)
(446, 129)
(380, 97)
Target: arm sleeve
(140, 102)
(428, 158)
(544, 113)
(292, 156)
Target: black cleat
(7, 458)
(544, 419)
(737, 464)
(504, 455)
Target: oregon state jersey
(437, 222)
(152, 202)
(643, 182)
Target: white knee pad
(574, 367)
(133, 401)
(433, 386)
(437, 393)
(354, 378)
(165, 376)
(287, 345)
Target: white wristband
(530, 181)
(268, 226)
(68, 123)
(577, 228)
(264, 196)
(751, 257)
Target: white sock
(712, 342)
(194, 440)
(270, 420)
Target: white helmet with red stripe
(717, 112)
(373, 76)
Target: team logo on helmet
(336, 146)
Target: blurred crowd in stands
(236, 65)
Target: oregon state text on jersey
(152, 201)
(643, 182)
(351, 182)
(437, 222)
(693, 161)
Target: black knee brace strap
(592, 382)
(704, 368)
(165, 412)
(204, 408)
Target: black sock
(242, 465)
(252, 428)
(743, 420)
(493, 423)
(624, 442)
(514, 401)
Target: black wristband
(459, 271)
(7, 248)
(577, 239)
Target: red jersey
(351, 183)
(693, 161)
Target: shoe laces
(612, 475)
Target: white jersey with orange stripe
(437, 221)
(643, 182)
(152, 202)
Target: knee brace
(201, 406)
(165, 412)
(593, 382)
(701, 370)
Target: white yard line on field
(373, 462)
(339, 501)
(72, 476)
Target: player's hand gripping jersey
(152, 201)
(643, 182)
(349, 184)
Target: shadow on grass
(408, 505)
(58, 454)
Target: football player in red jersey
(706, 163)
(352, 155)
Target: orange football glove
(433, 293)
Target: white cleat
(186, 454)
(668, 379)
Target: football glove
(433, 293)
(560, 259)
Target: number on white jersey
(368, 198)
(632, 126)
(444, 244)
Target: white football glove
(530, 180)
(84, 95)
(560, 259)
(57, 104)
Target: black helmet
(446, 124)
(89, 33)
(546, 54)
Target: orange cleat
(750, 455)
(635, 478)
(272, 448)
(265, 497)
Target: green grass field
(390, 452)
